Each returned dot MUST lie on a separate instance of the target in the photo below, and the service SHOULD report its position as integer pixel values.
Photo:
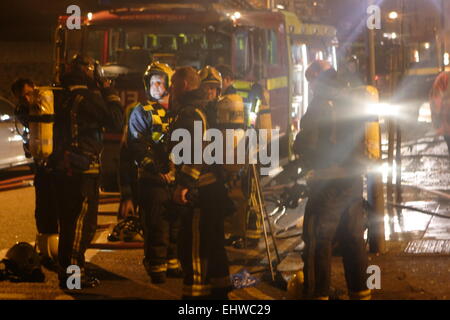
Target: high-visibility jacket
(147, 128)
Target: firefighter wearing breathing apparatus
(331, 148)
(147, 140)
(35, 111)
(247, 224)
(89, 106)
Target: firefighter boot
(174, 269)
(361, 295)
(157, 273)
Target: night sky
(35, 20)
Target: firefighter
(248, 224)
(127, 173)
(211, 85)
(46, 213)
(331, 148)
(244, 222)
(440, 106)
(211, 82)
(129, 227)
(227, 79)
(89, 106)
(148, 128)
(201, 189)
(236, 224)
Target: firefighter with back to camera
(89, 106)
(201, 189)
(331, 148)
(148, 142)
(35, 111)
(231, 115)
(129, 227)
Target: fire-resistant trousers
(46, 210)
(334, 213)
(161, 226)
(78, 202)
(202, 246)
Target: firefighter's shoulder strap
(202, 116)
(69, 114)
(128, 110)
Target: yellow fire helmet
(159, 68)
(210, 75)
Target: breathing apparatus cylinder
(373, 133)
(41, 123)
(47, 244)
(230, 115)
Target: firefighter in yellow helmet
(147, 140)
(210, 87)
(211, 82)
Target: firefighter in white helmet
(147, 141)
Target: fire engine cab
(269, 48)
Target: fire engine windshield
(134, 49)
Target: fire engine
(268, 47)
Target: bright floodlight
(89, 16)
(393, 15)
(416, 56)
(382, 109)
(446, 59)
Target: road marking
(90, 253)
